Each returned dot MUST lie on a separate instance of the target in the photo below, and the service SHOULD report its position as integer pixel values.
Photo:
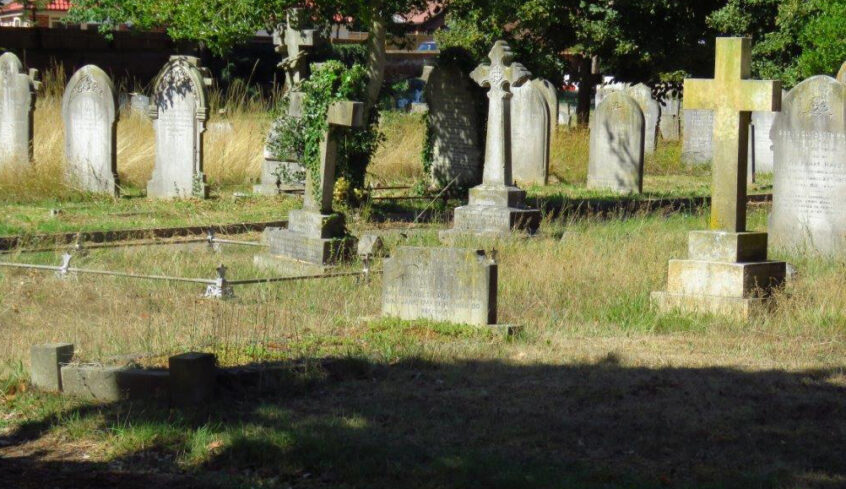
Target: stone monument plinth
(316, 236)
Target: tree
(644, 40)
(793, 39)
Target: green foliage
(299, 138)
(793, 39)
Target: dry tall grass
(233, 152)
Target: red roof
(55, 5)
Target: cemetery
(542, 261)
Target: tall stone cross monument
(279, 173)
(497, 207)
(728, 271)
(316, 235)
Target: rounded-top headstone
(550, 94)
(17, 100)
(642, 94)
(809, 185)
(841, 75)
(530, 131)
(616, 145)
(89, 110)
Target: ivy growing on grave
(298, 139)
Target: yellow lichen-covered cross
(732, 98)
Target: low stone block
(740, 308)
(727, 247)
(136, 383)
(739, 280)
(94, 382)
(193, 377)
(316, 225)
(290, 245)
(45, 365)
(497, 196)
(486, 220)
(441, 284)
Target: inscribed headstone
(530, 126)
(760, 144)
(616, 145)
(809, 187)
(179, 110)
(17, 102)
(697, 136)
(670, 124)
(651, 114)
(440, 284)
(454, 131)
(90, 116)
(605, 89)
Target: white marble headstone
(697, 136)
(809, 185)
(642, 94)
(90, 115)
(179, 111)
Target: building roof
(55, 5)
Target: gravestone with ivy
(496, 207)
(281, 170)
(179, 110)
(316, 234)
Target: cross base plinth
(312, 243)
(493, 211)
(726, 274)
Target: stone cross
(293, 40)
(340, 114)
(500, 76)
(732, 97)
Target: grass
(582, 398)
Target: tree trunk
(586, 81)
(375, 59)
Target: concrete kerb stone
(46, 362)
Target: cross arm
(346, 113)
(699, 94)
(480, 75)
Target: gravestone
(89, 111)
(530, 125)
(605, 89)
(809, 187)
(616, 145)
(760, 145)
(670, 125)
(280, 175)
(316, 236)
(496, 207)
(651, 114)
(440, 284)
(17, 103)
(697, 136)
(550, 94)
(841, 75)
(727, 271)
(179, 111)
(454, 130)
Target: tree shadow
(486, 424)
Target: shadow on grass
(468, 424)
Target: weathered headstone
(440, 284)
(530, 132)
(454, 123)
(697, 136)
(316, 235)
(278, 175)
(17, 103)
(727, 271)
(760, 144)
(179, 110)
(841, 75)
(605, 89)
(670, 124)
(89, 111)
(616, 145)
(496, 206)
(550, 94)
(809, 187)
(651, 114)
